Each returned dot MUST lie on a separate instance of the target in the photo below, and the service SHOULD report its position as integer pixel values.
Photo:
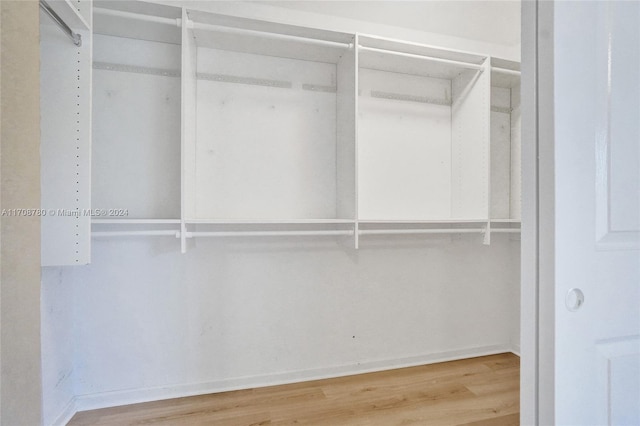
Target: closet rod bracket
(74, 36)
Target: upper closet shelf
(505, 78)
(138, 20)
(416, 59)
(251, 36)
(505, 74)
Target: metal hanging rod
(421, 231)
(506, 71)
(100, 221)
(423, 57)
(74, 36)
(268, 233)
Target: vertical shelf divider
(346, 137)
(486, 66)
(187, 123)
(65, 102)
(356, 225)
(504, 146)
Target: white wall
(147, 322)
(58, 343)
(20, 235)
(240, 313)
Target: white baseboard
(67, 413)
(133, 396)
(516, 349)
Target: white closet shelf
(386, 43)
(221, 32)
(138, 20)
(506, 78)
(390, 55)
(459, 64)
(214, 22)
(270, 35)
(124, 14)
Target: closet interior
(266, 202)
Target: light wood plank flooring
(480, 391)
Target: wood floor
(480, 391)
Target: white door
(597, 212)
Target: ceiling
(483, 20)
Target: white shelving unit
(209, 125)
(65, 105)
(136, 130)
(505, 147)
(269, 138)
(267, 143)
(423, 139)
(422, 133)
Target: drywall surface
(20, 234)
(152, 323)
(58, 341)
